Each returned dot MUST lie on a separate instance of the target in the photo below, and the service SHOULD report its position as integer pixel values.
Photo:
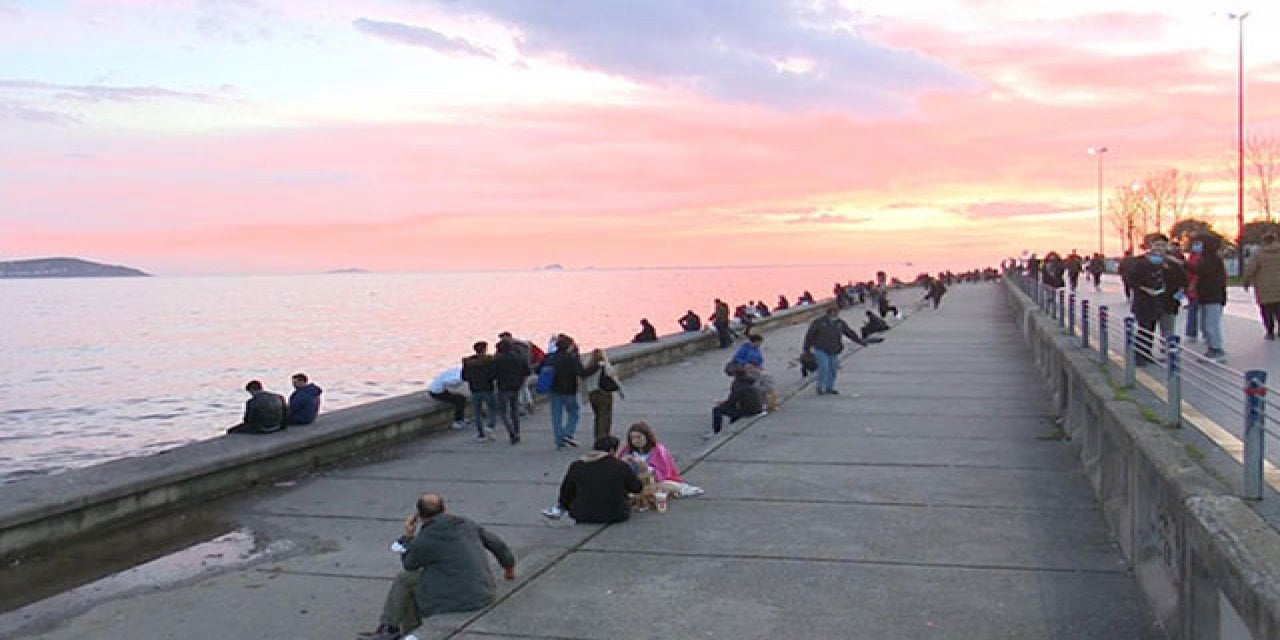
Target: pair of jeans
(828, 363)
(479, 401)
(1211, 325)
(562, 405)
(458, 401)
(1193, 320)
(509, 409)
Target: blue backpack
(546, 375)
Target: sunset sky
(244, 136)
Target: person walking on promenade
(596, 489)
(1210, 290)
(934, 290)
(1097, 265)
(600, 392)
(720, 320)
(1125, 266)
(533, 356)
(1155, 279)
(690, 322)
(510, 372)
(648, 333)
(1263, 274)
(264, 412)
(447, 387)
(1192, 329)
(304, 402)
(445, 569)
(567, 368)
(477, 370)
(745, 399)
(824, 340)
(1074, 265)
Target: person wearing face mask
(1155, 282)
(1210, 291)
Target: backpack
(546, 375)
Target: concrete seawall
(48, 510)
(1207, 564)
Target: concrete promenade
(920, 503)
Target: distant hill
(65, 268)
(348, 270)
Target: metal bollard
(1062, 303)
(1173, 381)
(1104, 338)
(1084, 324)
(1255, 416)
(1130, 353)
(1071, 314)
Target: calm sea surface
(97, 369)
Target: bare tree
(1262, 163)
(1129, 214)
(1167, 193)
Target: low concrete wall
(51, 509)
(1207, 564)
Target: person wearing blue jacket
(304, 402)
(749, 352)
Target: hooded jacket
(595, 489)
(1263, 274)
(1210, 282)
(304, 404)
(450, 551)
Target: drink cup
(661, 498)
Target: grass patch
(1150, 415)
(1195, 452)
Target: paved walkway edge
(1207, 564)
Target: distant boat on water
(65, 268)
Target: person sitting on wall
(690, 321)
(647, 332)
(264, 412)
(304, 402)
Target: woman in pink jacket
(642, 446)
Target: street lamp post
(1098, 151)
(1239, 18)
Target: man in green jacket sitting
(445, 569)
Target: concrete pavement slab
(758, 445)
(1063, 539)
(625, 595)
(896, 484)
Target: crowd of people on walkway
(1164, 280)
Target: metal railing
(1233, 394)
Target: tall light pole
(1239, 18)
(1098, 151)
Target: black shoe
(833, 392)
(570, 441)
(515, 438)
(383, 632)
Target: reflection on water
(96, 369)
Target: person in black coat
(596, 489)
(1211, 291)
(510, 370)
(1155, 280)
(264, 412)
(745, 399)
(567, 369)
(477, 371)
(647, 332)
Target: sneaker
(553, 512)
(458, 425)
(383, 632)
(410, 637)
(515, 438)
(833, 392)
(480, 438)
(491, 434)
(570, 441)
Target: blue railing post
(1255, 416)
(1130, 352)
(1071, 314)
(1084, 324)
(1173, 381)
(1104, 338)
